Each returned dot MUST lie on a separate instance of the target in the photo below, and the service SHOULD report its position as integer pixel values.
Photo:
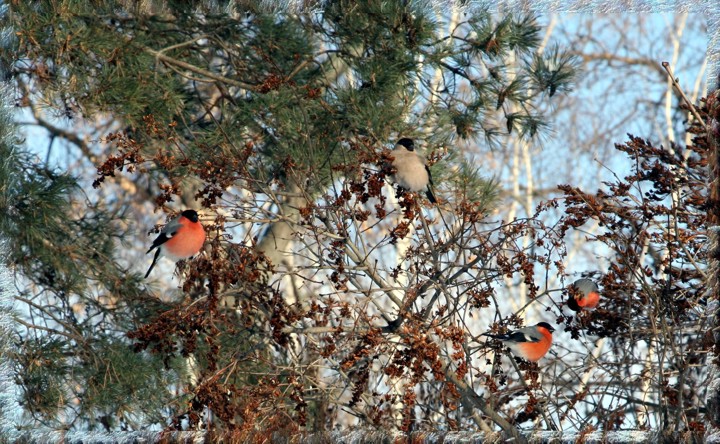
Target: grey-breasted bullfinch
(411, 171)
(531, 343)
(181, 238)
(586, 295)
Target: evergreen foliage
(79, 300)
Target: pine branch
(171, 61)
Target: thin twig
(675, 83)
(471, 399)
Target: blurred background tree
(321, 300)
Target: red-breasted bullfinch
(411, 171)
(529, 343)
(181, 238)
(586, 295)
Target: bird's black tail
(155, 258)
(431, 196)
(494, 336)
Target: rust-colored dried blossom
(399, 232)
(128, 157)
(529, 412)
(271, 82)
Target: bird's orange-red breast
(181, 238)
(531, 343)
(586, 297)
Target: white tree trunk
(10, 409)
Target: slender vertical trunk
(9, 406)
